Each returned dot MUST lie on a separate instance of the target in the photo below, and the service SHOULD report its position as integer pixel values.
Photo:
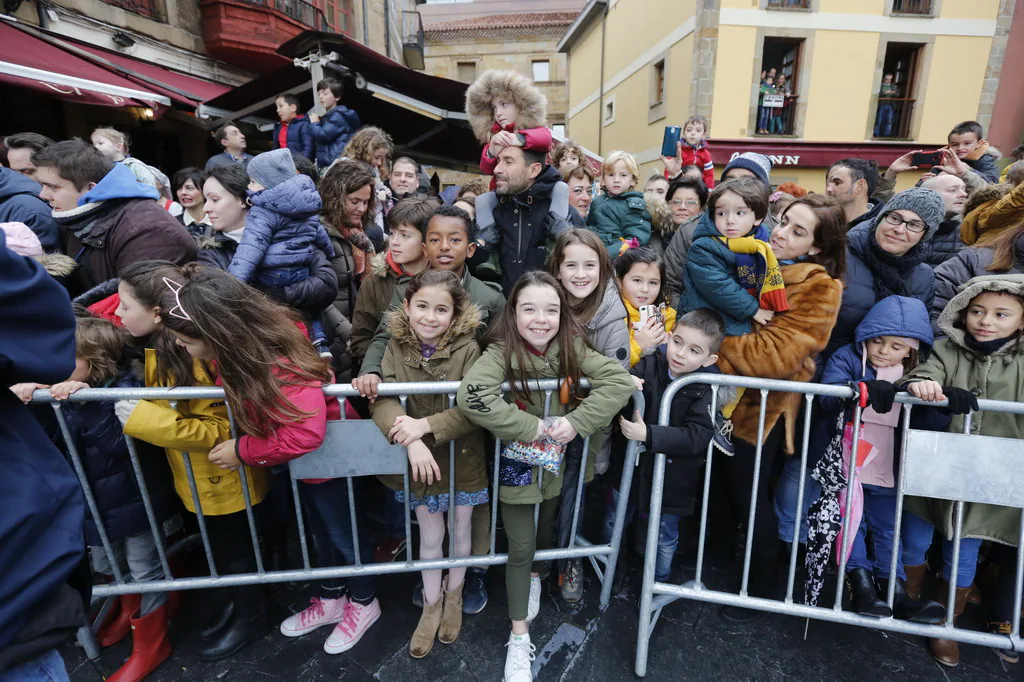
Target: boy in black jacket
(692, 347)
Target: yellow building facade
(636, 66)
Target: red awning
(29, 62)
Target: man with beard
(529, 207)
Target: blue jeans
(47, 668)
(885, 120)
(763, 116)
(327, 504)
(917, 538)
(394, 516)
(668, 536)
(786, 497)
(878, 518)
(279, 278)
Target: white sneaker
(533, 607)
(353, 626)
(518, 661)
(320, 612)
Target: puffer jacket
(996, 376)
(662, 227)
(519, 227)
(20, 203)
(374, 300)
(456, 352)
(332, 133)
(282, 232)
(991, 211)
(983, 161)
(869, 217)
(618, 219)
(194, 427)
(299, 137)
(711, 281)
(675, 259)
(945, 243)
(607, 330)
(96, 434)
(862, 290)
(970, 263)
(481, 400)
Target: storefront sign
(797, 153)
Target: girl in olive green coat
(433, 338)
(536, 337)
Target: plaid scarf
(758, 269)
(362, 249)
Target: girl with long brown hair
(536, 337)
(273, 378)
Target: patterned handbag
(544, 452)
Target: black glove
(880, 395)
(961, 401)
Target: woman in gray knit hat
(886, 257)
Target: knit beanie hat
(22, 240)
(758, 164)
(926, 203)
(272, 168)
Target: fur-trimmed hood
(531, 102)
(985, 195)
(950, 316)
(661, 216)
(57, 265)
(462, 330)
(984, 148)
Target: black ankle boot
(247, 623)
(218, 622)
(866, 601)
(905, 608)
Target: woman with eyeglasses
(686, 199)
(887, 256)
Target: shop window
(896, 92)
(465, 71)
(541, 71)
(777, 88)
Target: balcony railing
(892, 119)
(789, 4)
(300, 10)
(145, 8)
(919, 7)
(777, 120)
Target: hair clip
(775, 197)
(176, 290)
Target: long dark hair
(251, 338)
(625, 262)
(342, 179)
(174, 366)
(586, 308)
(505, 334)
(1004, 249)
(829, 235)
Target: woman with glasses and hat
(887, 256)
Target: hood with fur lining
(531, 102)
(949, 319)
(985, 195)
(462, 329)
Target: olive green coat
(481, 400)
(999, 376)
(373, 301)
(404, 361)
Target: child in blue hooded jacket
(282, 229)
(887, 345)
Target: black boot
(248, 623)
(219, 620)
(866, 601)
(904, 607)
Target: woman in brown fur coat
(810, 244)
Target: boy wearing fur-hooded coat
(524, 116)
(403, 361)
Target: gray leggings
(137, 554)
(523, 541)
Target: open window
(896, 93)
(777, 96)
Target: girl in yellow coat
(640, 273)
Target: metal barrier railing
(335, 458)
(962, 468)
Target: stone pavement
(574, 644)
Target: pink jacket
(537, 139)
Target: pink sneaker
(353, 626)
(320, 612)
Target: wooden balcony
(247, 33)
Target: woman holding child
(810, 246)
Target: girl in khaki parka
(433, 338)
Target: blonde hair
(366, 141)
(114, 135)
(624, 157)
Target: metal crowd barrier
(962, 468)
(351, 448)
